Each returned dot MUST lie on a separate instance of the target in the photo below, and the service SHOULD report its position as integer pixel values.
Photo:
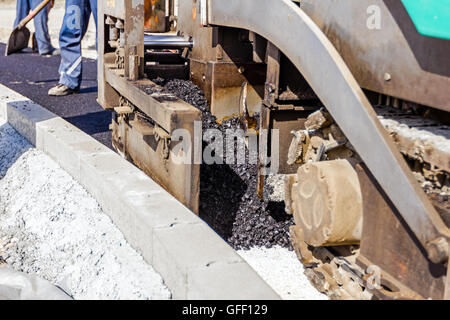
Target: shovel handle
(32, 14)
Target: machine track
(425, 144)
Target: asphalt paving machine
(358, 93)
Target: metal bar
(163, 111)
(166, 42)
(107, 96)
(134, 34)
(301, 40)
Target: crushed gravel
(281, 269)
(60, 233)
(228, 197)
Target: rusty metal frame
(387, 242)
(163, 109)
(415, 61)
(147, 141)
(220, 61)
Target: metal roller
(166, 42)
(326, 201)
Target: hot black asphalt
(33, 75)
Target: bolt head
(438, 250)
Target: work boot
(61, 90)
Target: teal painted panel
(431, 17)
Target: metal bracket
(204, 6)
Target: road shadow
(89, 89)
(95, 124)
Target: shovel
(20, 36)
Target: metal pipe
(166, 42)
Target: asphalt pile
(228, 199)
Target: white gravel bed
(61, 234)
(281, 269)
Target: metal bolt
(438, 250)
(119, 24)
(387, 77)
(109, 20)
(270, 88)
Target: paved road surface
(32, 75)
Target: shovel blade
(18, 40)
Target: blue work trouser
(75, 24)
(40, 23)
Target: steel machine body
(337, 79)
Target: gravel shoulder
(59, 232)
(281, 269)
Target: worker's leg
(41, 28)
(22, 9)
(74, 27)
(93, 8)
